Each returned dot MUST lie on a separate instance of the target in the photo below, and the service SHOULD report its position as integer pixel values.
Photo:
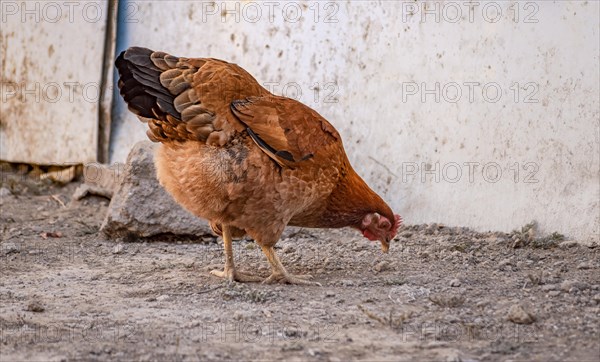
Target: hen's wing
(286, 130)
(208, 100)
(182, 98)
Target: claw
(290, 279)
(234, 275)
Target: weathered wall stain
(51, 68)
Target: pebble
(504, 263)
(163, 298)
(239, 315)
(585, 265)
(548, 287)
(118, 249)
(567, 244)
(329, 294)
(455, 283)
(483, 303)
(347, 283)
(382, 266)
(518, 315)
(573, 285)
(5, 192)
(554, 293)
(9, 248)
(35, 306)
(590, 243)
(451, 318)
(314, 352)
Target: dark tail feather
(140, 87)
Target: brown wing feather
(286, 130)
(181, 98)
(209, 100)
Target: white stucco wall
(529, 152)
(51, 65)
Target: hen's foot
(279, 273)
(290, 279)
(234, 275)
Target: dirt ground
(442, 293)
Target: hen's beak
(385, 245)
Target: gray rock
(585, 265)
(590, 243)
(573, 285)
(9, 248)
(288, 249)
(548, 287)
(518, 315)
(346, 283)
(382, 266)
(5, 192)
(163, 297)
(140, 207)
(568, 244)
(118, 249)
(504, 263)
(455, 283)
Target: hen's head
(378, 227)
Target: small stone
(5, 192)
(314, 352)
(239, 315)
(35, 306)
(590, 243)
(554, 293)
(483, 303)
(118, 249)
(504, 263)
(548, 287)
(518, 315)
(382, 266)
(585, 265)
(9, 248)
(596, 298)
(329, 294)
(573, 285)
(455, 283)
(568, 244)
(163, 297)
(451, 318)
(347, 283)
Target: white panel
(52, 56)
(380, 53)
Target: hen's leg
(280, 274)
(229, 272)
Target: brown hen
(246, 160)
